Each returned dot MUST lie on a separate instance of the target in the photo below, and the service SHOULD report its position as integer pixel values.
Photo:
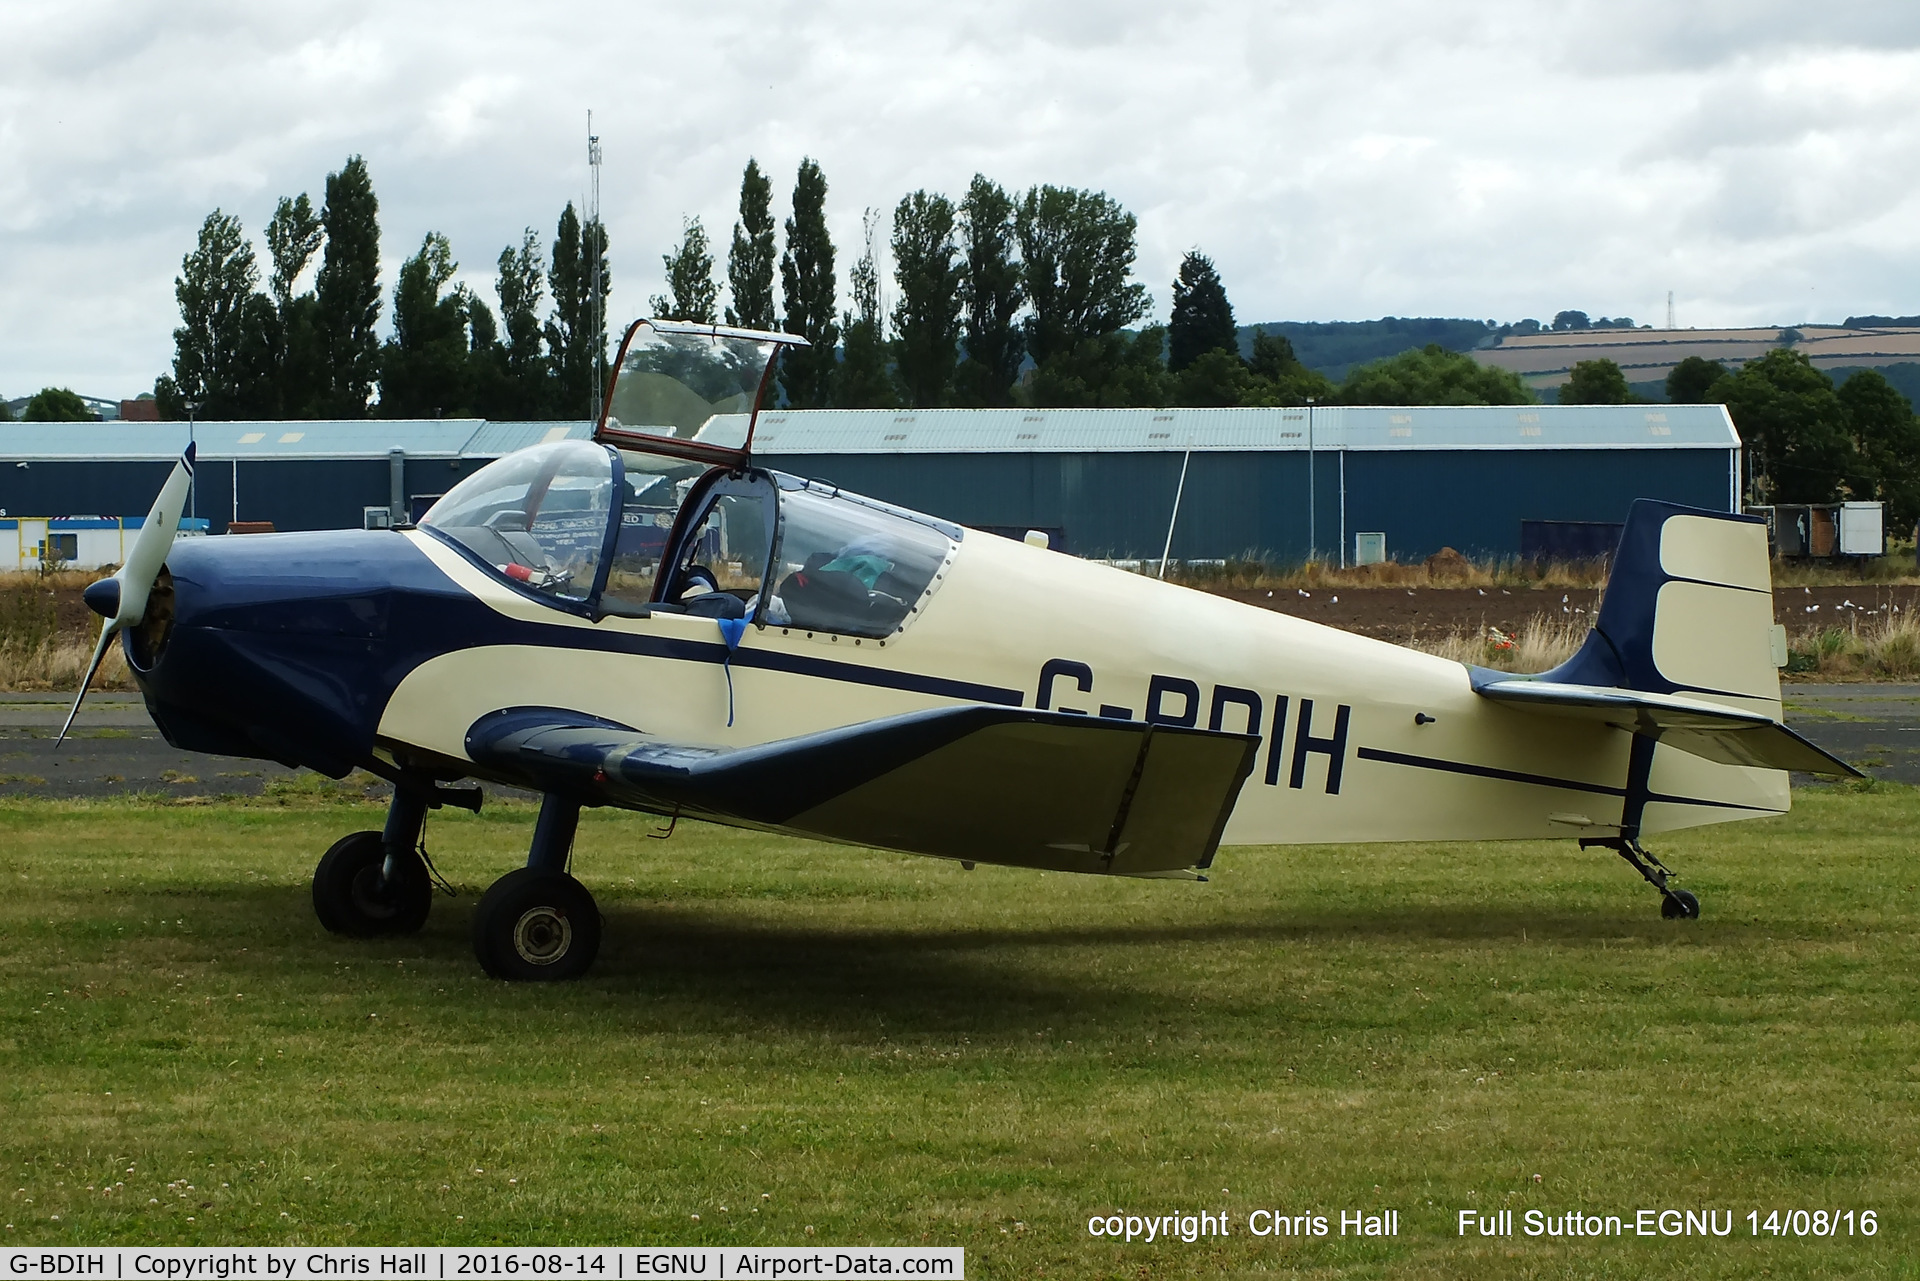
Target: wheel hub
(542, 935)
(372, 894)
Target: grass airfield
(787, 1043)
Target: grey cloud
(1338, 161)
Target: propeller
(122, 598)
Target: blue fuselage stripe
(1538, 780)
(1485, 771)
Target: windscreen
(673, 384)
(539, 516)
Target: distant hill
(1335, 346)
(1904, 377)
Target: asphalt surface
(115, 750)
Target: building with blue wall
(1271, 484)
(296, 475)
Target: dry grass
(1543, 641)
(1442, 571)
(35, 653)
(1886, 647)
(57, 665)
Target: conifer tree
(992, 294)
(926, 319)
(1202, 318)
(347, 291)
(807, 282)
(691, 291)
(750, 261)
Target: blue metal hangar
(1265, 483)
(1271, 484)
(295, 475)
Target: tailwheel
(360, 892)
(1680, 905)
(1675, 905)
(536, 926)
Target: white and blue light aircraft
(651, 621)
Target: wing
(1694, 725)
(984, 784)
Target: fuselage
(336, 650)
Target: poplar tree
(294, 361)
(213, 286)
(691, 291)
(347, 291)
(1202, 319)
(1076, 249)
(926, 319)
(992, 294)
(806, 279)
(522, 361)
(424, 367)
(577, 334)
(750, 260)
(865, 381)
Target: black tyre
(1680, 905)
(536, 927)
(352, 897)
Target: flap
(986, 784)
(1709, 730)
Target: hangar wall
(1102, 482)
(298, 475)
(1255, 504)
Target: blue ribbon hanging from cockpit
(731, 631)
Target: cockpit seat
(828, 600)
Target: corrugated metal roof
(255, 441)
(496, 439)
(945, 431)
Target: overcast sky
(1338, 161)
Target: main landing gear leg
(537, 924)
(375, 883)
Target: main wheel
(351, 896)
(1678, 904)
(536, 927)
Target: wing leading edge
(1709, 730)
(983, 784)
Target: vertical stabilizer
(1688, 610)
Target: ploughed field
(789, 1043)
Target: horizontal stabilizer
(978, 783)
(1709, 730)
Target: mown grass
(788, 1043)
